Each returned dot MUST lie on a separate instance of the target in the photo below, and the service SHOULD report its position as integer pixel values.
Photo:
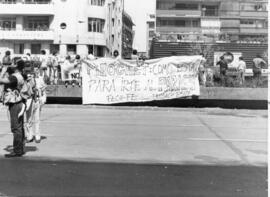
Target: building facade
(212, 20)
(127, 36)
(67, 26)
(150, 32)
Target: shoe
(13, 155)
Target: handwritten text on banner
(108, 81)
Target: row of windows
(175, 5)
(255, 23)
(7, 23)
(97, 2)
(178, 23)
(26, 1)
(30, 23)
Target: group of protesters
(223, 64)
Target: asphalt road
(121, 151)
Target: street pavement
(139, 151)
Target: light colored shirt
(242, 65)
(258, 61)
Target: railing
(26, 2)
(7, 29)
(37, 29)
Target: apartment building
(150, 32)
(67, 26)
(212, 20)
(127, 36)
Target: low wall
(207, 93)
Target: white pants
(32, 122)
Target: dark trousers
(17, 128)
(223, 78)
(257, 76)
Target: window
(54, 48)
(37, 23)
(37, 1)
(254, 6)
(151, 24)
(71, 49)
(209, 10)
(96, 25)
(7, 24)
(35, 48)
(10, 1)
(151, 34)
(19, 48)
(175, 5)
(97, 2)
(175, 22)
(100, 51)
(112, 38)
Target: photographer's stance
(13, 80)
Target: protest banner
(109, 81)
(70, 73)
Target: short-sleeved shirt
(242, 65)
(258, 62)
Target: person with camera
(13, 81)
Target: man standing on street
(13, 84)
(258, 63)
(242, 68)
(223, 66)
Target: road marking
(232, 146)
(228, 140)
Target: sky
(138, 10)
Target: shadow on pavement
(197, 103)
(25, 177)
(27, 149)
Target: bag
(23, 91)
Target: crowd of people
(240, 71)
(23, 82)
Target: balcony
(26, 35)
(254, 14)
(254, 30)
(26, 9)
(179, 29)
(230, 30)
(179, 13)
(229, 14)
(89, 38)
